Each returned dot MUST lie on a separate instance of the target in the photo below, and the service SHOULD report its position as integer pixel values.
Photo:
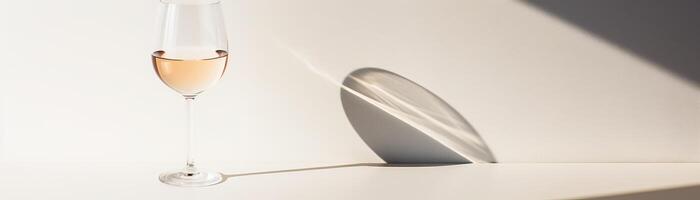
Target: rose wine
(190, 77)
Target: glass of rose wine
(191, 56)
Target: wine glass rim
(191, 2)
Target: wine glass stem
(189, 144)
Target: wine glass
(191, 57)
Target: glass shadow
(403, 122)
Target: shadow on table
(687, 192)
(227, 176)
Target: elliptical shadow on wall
(405, 123)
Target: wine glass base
(196, 179)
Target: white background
(78, 84)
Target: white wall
(79, 84)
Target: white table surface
(488, 181)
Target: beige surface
(502, 181)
